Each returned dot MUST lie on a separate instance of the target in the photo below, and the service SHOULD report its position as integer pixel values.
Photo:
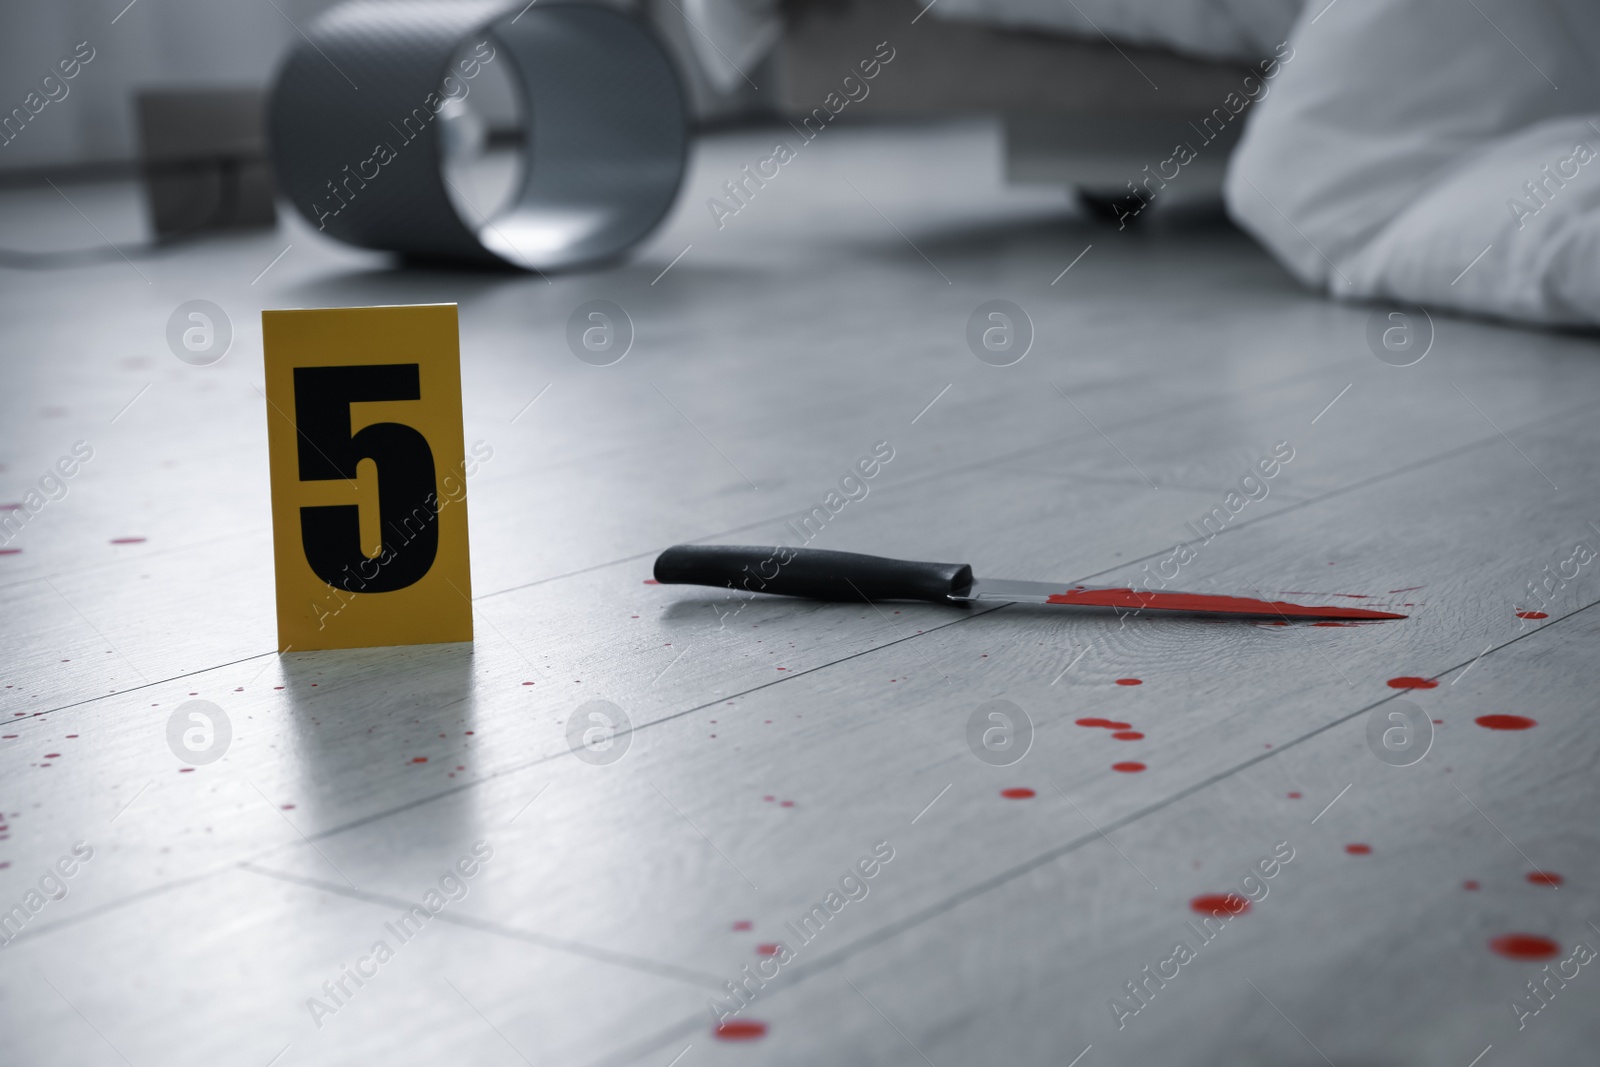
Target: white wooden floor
(771, 754)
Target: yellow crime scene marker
(369, 497)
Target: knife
(822, 574)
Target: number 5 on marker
(369, 506)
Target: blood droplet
(1220, 903)
(1409, 682)
(1130, 681)
(740, 1030)
(1525, 946)
(1130, 767)
(1505, 722)
(1532, 615)
(1020, 792)
(1550, 878)
(1359, 850)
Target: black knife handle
(811, 572)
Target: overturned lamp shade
(358, 146)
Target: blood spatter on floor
(785, 803)
(1223, 903)
(1359, 850)
(740, 1030)
(9, 551)
(1470, 885)
(1532, 615)
(1105, 724)
(1295, 795)
(419, 759)
(741, 924)
(1524, 946)
(1550, 878)
(1128, 735)
(1506, 722)
(1020, 792)
(1130, 681)
(651, 581)
(768, 949)
(127, 540)
(1129, 767)
(1408, 681)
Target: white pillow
(1401, 155)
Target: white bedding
(1211, 29)
(1440, 152)
(731, 36)
(1405, 139)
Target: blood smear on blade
(1203, 602)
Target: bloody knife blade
(822, 574)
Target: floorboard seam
(575, 948)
